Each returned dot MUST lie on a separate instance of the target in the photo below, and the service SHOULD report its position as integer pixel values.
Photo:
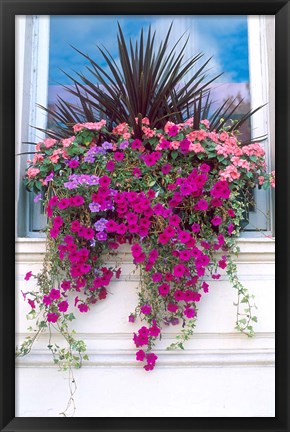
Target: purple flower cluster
(75, 180)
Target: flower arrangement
(177, 196)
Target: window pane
(225, 39)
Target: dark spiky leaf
(152, 81)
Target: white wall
(221, 372)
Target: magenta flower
(143, 331)
(205, 287)
(68, 239)
(136, 250)
(189, 312)
(111, 226)
(216, 202)
(184, 236)
(46, 300)
(89, 233)
(136, 144)
(28, 276)
(201, 205)
(63, 306)
(140, 340)
(174, 220)
(52, 317)
(121, 229)
(136, 172)
(163, 289)
(216, 220)
(151, 193)
(173, 130)
(178, 295)
(140, 355)
(53, 232)
(85, 268)
(146, 309)
(185, 255)
(73, 164)
(119, 156)
(105, 181)
(184, 145)
(150, 160)
(186, 189)
(132, 218)
(65, 285)
(53, 200)
(222, 263)
(169, 231)
(231, 228)
(110, 166)
(148, 367)
(31, 303)
(164, 144)
(168, 277)
(83, 307)
(195, 227)
(63, 203)
(205, 168)
(140, 258)
(151, 359)
(156, 277)
(172, 307)
(54, 294)
(163, 238)
(154, 331)
(179, 270)
(220, 190)
(166, 169)
(131, 318)
(78, 200)
(57, 221)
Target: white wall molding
(255, 250)
(188, 358)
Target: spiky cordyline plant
(151, 81)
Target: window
(241, 46)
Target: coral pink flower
(49, 142)
(32, 172)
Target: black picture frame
(10, 8)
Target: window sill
(259, 249)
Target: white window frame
(32, 57)
(32, 63)
(261, 46)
